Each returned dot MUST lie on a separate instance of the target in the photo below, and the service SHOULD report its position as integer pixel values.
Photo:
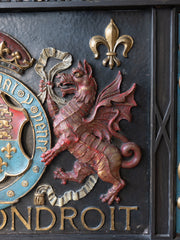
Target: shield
(13, 159)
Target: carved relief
(111, 41)
(85, 126)
(13, 55)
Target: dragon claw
(102, 196)
(48, 156)
(117, 199)
(109, 198)
(42, 86)
(60, 174)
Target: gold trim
(21, 93)
(25, 183)
(35, 169)
(9, 202)
(10, 193)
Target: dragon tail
(128, 149)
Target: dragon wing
(110, 108)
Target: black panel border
(170, 82)
(50, 5)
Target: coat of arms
(19, 171)
(72, 129)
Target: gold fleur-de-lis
(111, 41)
(8, 149)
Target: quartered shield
(13, 159)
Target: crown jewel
(13, 55)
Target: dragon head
(80, 82)
(66, 84)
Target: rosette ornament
(111, 41)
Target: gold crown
(13, 55)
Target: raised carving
(67, 196)
(87, 132)
(66, 61)
(2, 163)
(111, 41)
(8, 149)
(13, 55)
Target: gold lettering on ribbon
(41, 125)
(45, 134)
(15, 86)
(43, 141)
(7, 84)
(38, 117)
(43, 149)
(27, 99)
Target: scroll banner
(67, 196)
(66, 62)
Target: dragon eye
(78, 74)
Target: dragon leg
(108, 171)
(112, 194)
(78, 174)
(60, 146)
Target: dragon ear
(87, 68)
(80, 65)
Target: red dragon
(85, 128)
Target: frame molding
(54, 5)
